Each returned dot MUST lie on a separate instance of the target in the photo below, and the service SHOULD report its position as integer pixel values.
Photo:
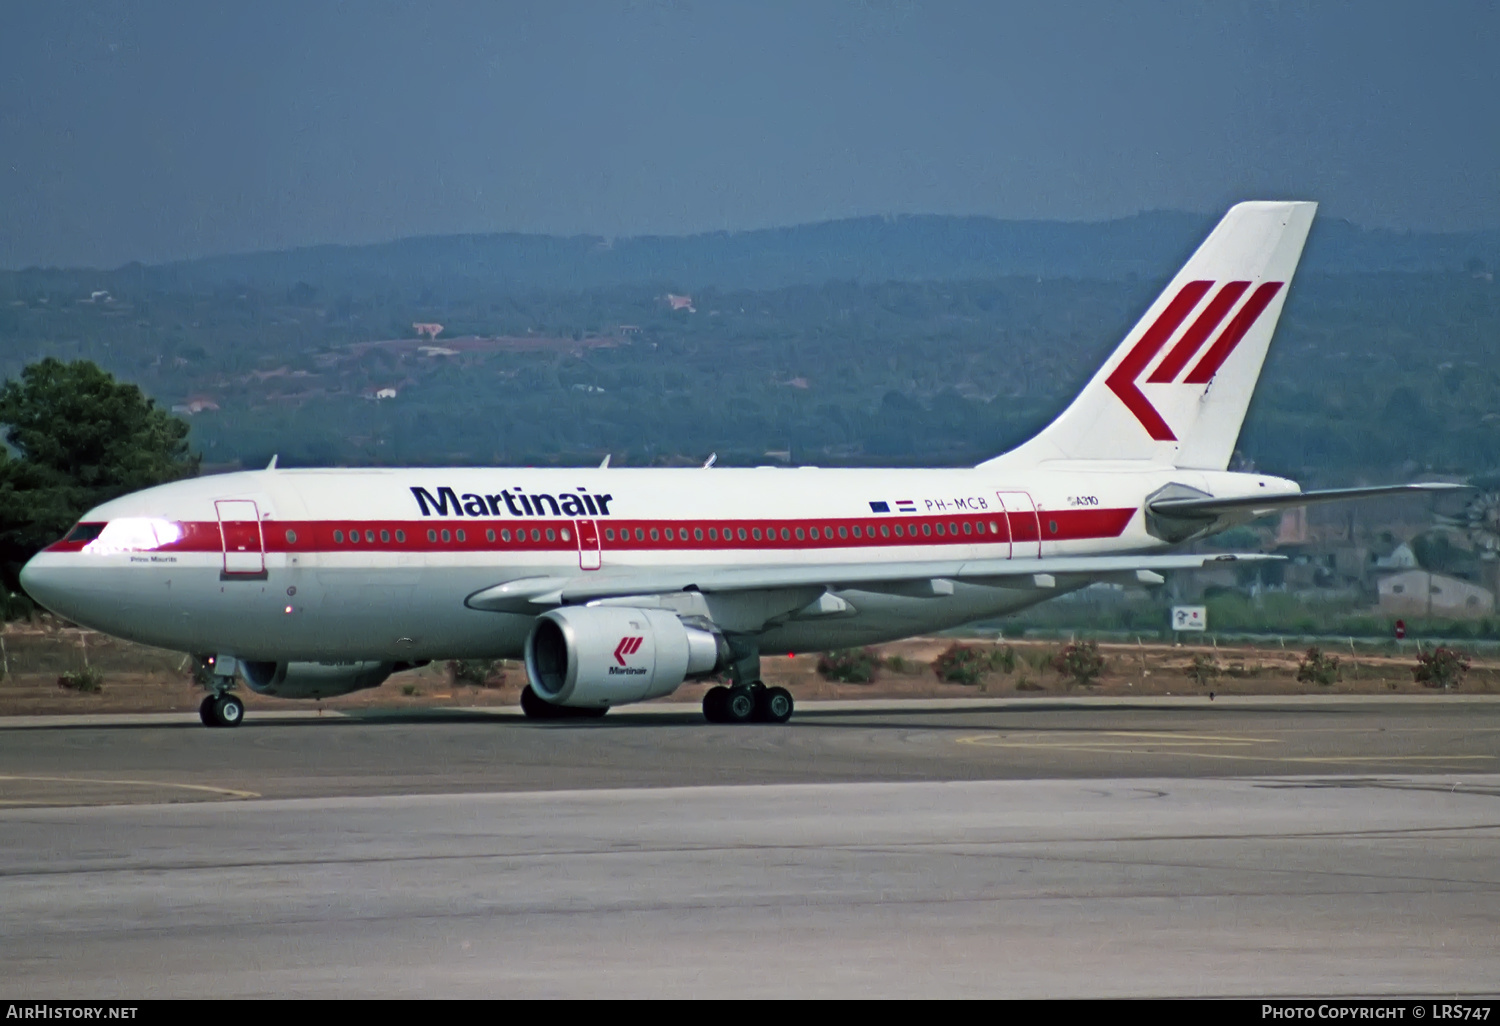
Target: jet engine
(599, 656)
(314, 680)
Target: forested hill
(919, 340)
(872, 249)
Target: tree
(77, 438)
(1441, 668)
(1081, 661)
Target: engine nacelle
(313, 680)
(596, 656)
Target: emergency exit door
(589, 557)
(1025, 524)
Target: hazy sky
(149, 131)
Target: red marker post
(1400, 629)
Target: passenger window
(713, 534)
(786, 535)
(844, 532)
(742, 534)
(566, 535)
(536, 535)
(926, 528)
(968, 527)
(431, 535)
(940, 530)
(551, 534)
(401, 537)
(291, 537)
(885, 530)
(1052, 526)
(697, 534)
(489, 535)
(898, 531)
(370, 537)
(446, 535)
(505, 534)
(654, 534)
(755, 533)
(338, 536)
(640, 535)
(461, 536)
(801, 534)
(609, 534)
(994, 527)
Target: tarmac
(1276, 847)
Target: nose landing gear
(221, 708)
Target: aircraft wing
(530, 594)
(1208, 507)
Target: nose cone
(42, 579)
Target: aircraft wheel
(739, 705)
(536, 707)
(228, 711)
(713, 704)
(206, 712)
(773, 705)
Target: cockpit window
(85, 533)
(134, 534)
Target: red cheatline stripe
(1122, 379)
(1220, 350)
(671, 535)
(1193, 339)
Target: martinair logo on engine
(627, 646)
(448, 503)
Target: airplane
(616, 585)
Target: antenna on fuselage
(272, 464)
(710, 461)
(605, 464)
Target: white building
(1421, 593)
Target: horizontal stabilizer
(1209, 508)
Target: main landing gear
(747, 699)
(748, 703)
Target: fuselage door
(1025, 525)
(239, 528)
(589, 557)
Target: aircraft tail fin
(1176, 390)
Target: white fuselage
(377, 564)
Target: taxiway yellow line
(229, 791)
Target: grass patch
(849, 665)
(477, 673)
(86, 681)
